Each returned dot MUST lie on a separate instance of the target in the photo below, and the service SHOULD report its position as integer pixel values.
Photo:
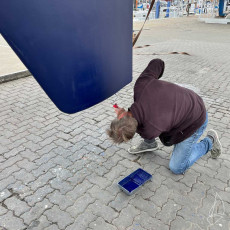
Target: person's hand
(117, 109)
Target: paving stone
(220, 225)
(126, 217)
(38, 195)
(61, 173)
(222, 194)
(45, 158)
(47, 141)
(9, 162)
(4, 194)
(101, 194)
(179, 187)
(129, 164)
(46, 149)
(3, 210)
(145, 205)
(6, 182)
(29, 155)
(24, 176)
(155, 182)
(16, 205)
(9, 171)
(161, 196)
(3, 149)
(212, 182)
(120, 202)
(32, 146)
(111, 151)
(150, 167)
(80, 205)
(79, 164)
(4, 140)
(111, 162)
(41, 181)
(61, 185)
(63, 162)
(35, 212)
(55, 215)
(94, 149)
(33, 137)
(14, 152)
(62, 201)
(27, 165)
(159, 160)
(62, 152)
(78, 176)
(180, 223)
(195, 217)
(145, 192)
(99, 209)
(100, 181)
(168, 212)
(92, 140)
(223, 174)
(79, 190)
(43, 169)
(113, 189)
(100, 224)
(50, 130)
(39, 224)
(186, 202)
(82, 221)
(19, 189)
(213, 164)
(167, 173)
(190, 178)
(2, 159)
(147, 222)
(204, 170)
(52, 227)
(106, 144)
(100, 170)
(123, 153)
(115, 172)
(9, 221)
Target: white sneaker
(216, 147)
(143, 147)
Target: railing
(177, 11)
(174, 12)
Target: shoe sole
(218, 141)
(142, 151)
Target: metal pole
(157, 9)
(221, 8)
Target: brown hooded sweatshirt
(163, 109)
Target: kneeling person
(173, 113)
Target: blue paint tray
(134, 181)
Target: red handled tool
(115, 106)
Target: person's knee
(175, 169)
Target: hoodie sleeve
(154, 70)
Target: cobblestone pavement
(60, 171)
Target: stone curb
(14, 76)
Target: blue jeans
(187, 152)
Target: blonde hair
(122, 130)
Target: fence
(177, 11)
(174, 12)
